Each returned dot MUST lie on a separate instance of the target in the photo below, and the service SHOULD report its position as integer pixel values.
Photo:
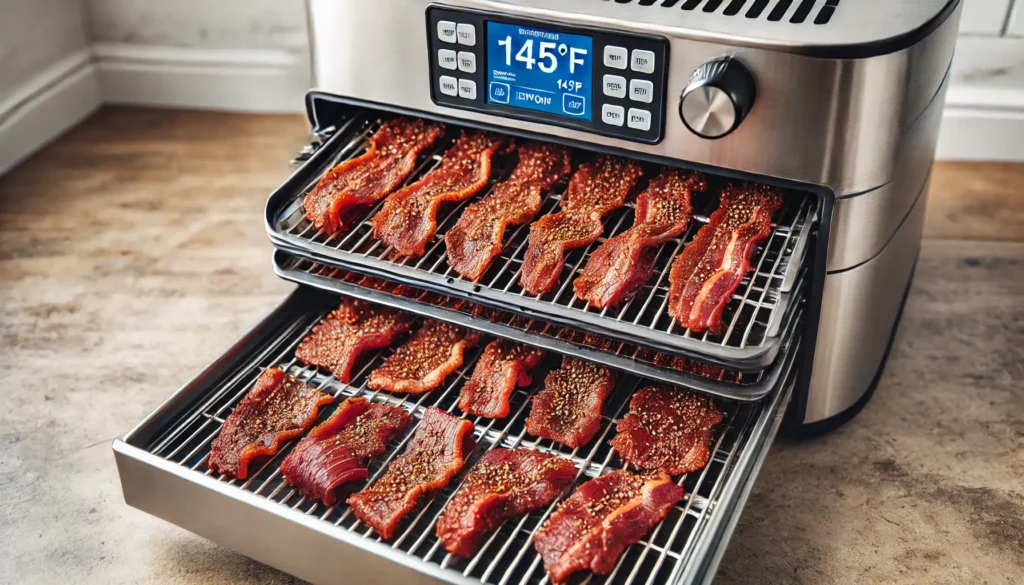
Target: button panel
(627, 88)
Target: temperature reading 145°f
(547, 54)
(569, 85)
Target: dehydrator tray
(753, 315)
(640, 361)
(162, 466)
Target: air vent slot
(772, 10)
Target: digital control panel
(595, 80)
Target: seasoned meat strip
(568, 409)
(502, 367)
(709, 270)
(278, 408)
(505, 483)
(420, 365)
(362, 181)
(667, 429)
(408, 220)
(435, 454)
(625, 262)
(343, 335)
(594, 526)
(596, 189)
(477, 238)
(336, 451)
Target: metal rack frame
(751, 386)
(753, 316)
(162, 467)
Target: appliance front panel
(830, 122)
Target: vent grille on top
(774, 10)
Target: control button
(449, 85)
(612, 115)
(639, 119)
(574, 105)
(446, 31)
(447, 60)
(615, 57)
(615, 86)
(643, 61)
(467, 89)
(466, 34)
(499, 92)
(467, 62)
(641, 90)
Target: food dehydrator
(835, 103)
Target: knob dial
(718, 97)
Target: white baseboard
(215, 79)
(983, 125)
(46, 106)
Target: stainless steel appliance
(836, 102)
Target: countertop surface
(132, 252)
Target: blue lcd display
(538, 69)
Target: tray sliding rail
(162, 465)
(752, 316)
(614, 354)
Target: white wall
(249, 55)
(210, 24)
(46, 84)
(984, 116)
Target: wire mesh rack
(753, 315)
(641, 361)
(182, 439)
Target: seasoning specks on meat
(388, 161)
(476, 239)
(435, 454)
(501, 368)
(343, 335)
(409, 218)
(709, 270)
(568, 409)
(667, 429)
(278, 408)
(336, 451)
(625, 262)
(592, 528)
(596, 189)
(505, 483)
(420, 365)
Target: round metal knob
(718, 97)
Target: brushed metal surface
(858, 310)
(855, 22)
(863, 224)
(830, 122)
